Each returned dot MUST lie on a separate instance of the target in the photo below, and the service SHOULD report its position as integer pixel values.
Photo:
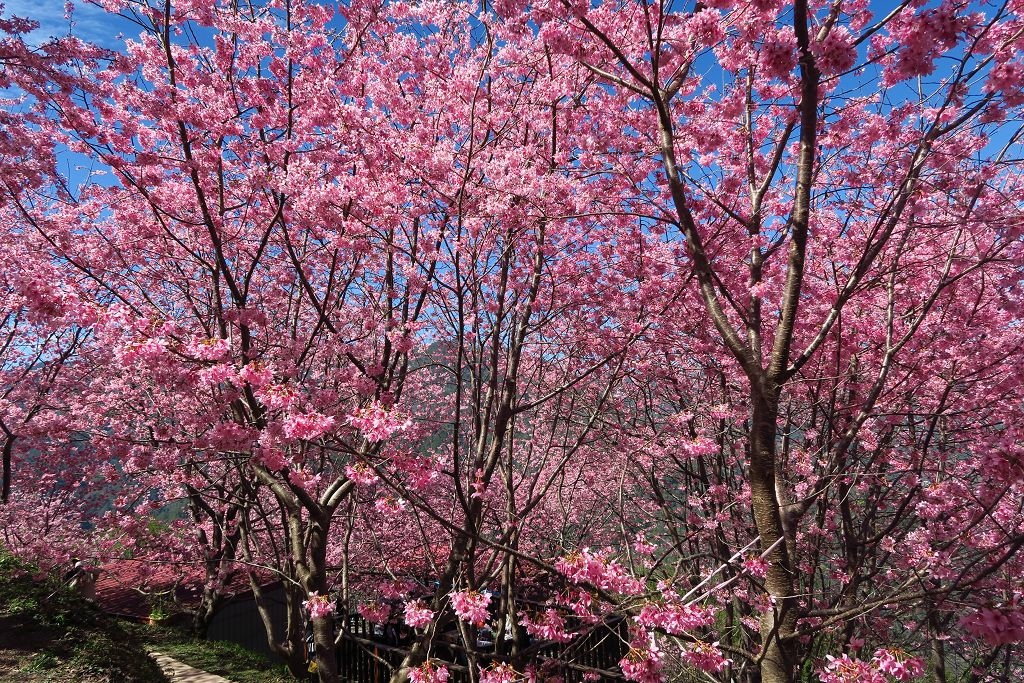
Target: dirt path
(183, 673)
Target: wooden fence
(369, 653)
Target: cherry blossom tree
(37, 315)
(832, 167)
(542, 313)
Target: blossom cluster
(395, 589)
(599, 571)
(498, 673)
(318, 606)
(376, 612)
(756, 567)
(705, 656)
(471, 606)
(362, 474)
(307, 426)
(996, 626)
(419, 472)
(417, 614)
(898, 665)
(643, 665)
(675, 618)
(846, 669)
(429, 672)
(549, 625)
(377, 423)
(885, 663)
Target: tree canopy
(531, 315)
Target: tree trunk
(204, 613)
(315, 580)
(5, 488)
(291, 648)
(938, 647)
(326, 654)
(778, 623)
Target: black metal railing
(369, 653)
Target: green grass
(49, 634)
(226, 659)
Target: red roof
(131, 588)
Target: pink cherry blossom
(996, 625)
(389, 505)
(319, 606)
(429, 672)
(499, 673)
(362, 474)
(548, 625)
(675, 618)
(598, 570)
(307, 426)
(778, 53)
(705, 656)
(418, 614)
(643, 665)
(471, 606)
(641, 546)
(376, 612)
(898, 664)
(377, 423)
(256, 374)
(845, 669)
(756, 566)
(836, 53)
(431, 294)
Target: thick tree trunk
(777, 624)
(315, 580)
(208, 606)
(326, 653)
(938, 647)
(291, 648)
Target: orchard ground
(49, 634)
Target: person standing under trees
(81, 578)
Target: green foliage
(158, 610)
(75, 642)
(23, 605)
(41, 661)
(167, 513)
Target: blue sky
(90, 23)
